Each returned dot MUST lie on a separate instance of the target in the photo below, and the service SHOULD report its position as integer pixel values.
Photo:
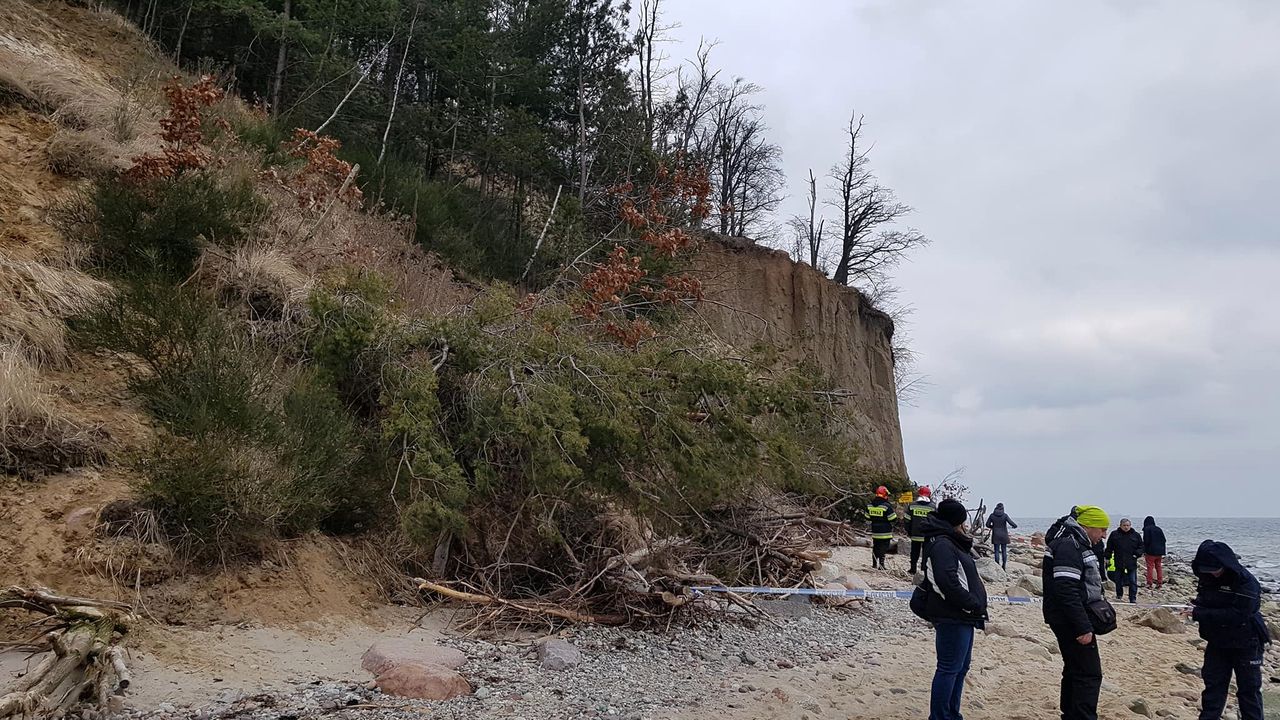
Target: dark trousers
(1127, 579)
(917, 547)
(879, 548)
(1218, 665)
(1081, 678)
(954, 644)
(1000, 553)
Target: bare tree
(649, 34)
(807, 231)
(281, 56)
(395, 99)
(745, 167)
(870, 241)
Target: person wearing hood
(1228, 607)
(999, 525)
(954, 600)
(1074, 607)
(916, 513)
(1154, 548)
(881, 516)
(1124, 547)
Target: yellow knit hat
(1092, 516)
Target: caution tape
(888, 595)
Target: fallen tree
(82, 663)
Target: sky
(1098, 315)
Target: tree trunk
(177, 50)
(281, 57)
(395, 98)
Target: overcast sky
(1098, 315)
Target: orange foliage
(181, 131)
(323, 174)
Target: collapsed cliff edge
(759, 296)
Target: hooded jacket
(1227, 607)
(1125, 548)
(1153, 542)
(999, 524)
(956, 592)
(1072, 578)
(916, 513)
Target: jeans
(954, 642)
(1127, 579)
(1000, 553)
(1081, 678)
(1218, 665)
(1155, 568)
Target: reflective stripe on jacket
(881, 515)
(916, 513)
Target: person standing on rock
(955, 601)
(1074, 607)
(1154, 548)
(881, 515)
(999, 525)
(1228, 608)
(1125, 547)
(916, 514)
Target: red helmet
(925, 492)
(882, 491)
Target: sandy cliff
(758, 295)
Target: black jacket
(881, 514)
(1228, 607)
(916, 513)
(1072, 576)
(999, 524)
(1126, 548)
(956, 592)
(1153, 542)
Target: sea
(1255, 540)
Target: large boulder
(1161, 620)
(557, 654)
(902, 546)
(391, 652)
(853, 581)
(1017, 592)
(422, 681)
(1037, 539)
(1017, 568)
(834, 600)
(990, 571)
(1033, 584)
(827, 572)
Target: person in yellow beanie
(1074, 605)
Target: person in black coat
(999, 525)
(955, 602)
(1154, 548)
(1228, 607)
(1125, 547)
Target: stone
(423, 681)
(1273, 625)
(1271, 607)
(1033, 584)
(1187, 668)
(861, 541)
(834, 601)
(1161, 620)
(902, 546)
(853, 581)
(827, 571)
(1016, 568)
(1037, 539)
(82, 520)
(1140, 707)
(483, 692)
(1017, 592)
(387, 653)
(990, 571)
(557, 654)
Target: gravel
(625, 674)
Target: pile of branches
(83, 665)
(643, 579)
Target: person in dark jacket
(1072, 573)
(999, 525)
(1125, 547)
(1228, 609)
(881, 515)
(1154, 548)
(916, 513)
(956, 604)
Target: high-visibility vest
(881, 514)
(917, 512)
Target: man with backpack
(1228, 609)
(881, 515)
(1074, 606)
(953, 598)
(916, 514)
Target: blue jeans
(954, 643)
(1000, 553)
(1127, 579)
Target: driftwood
(83, 663)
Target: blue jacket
(1227, 607)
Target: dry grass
(35, 437)
(36, 298)
(83, 154)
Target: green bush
(158, 226)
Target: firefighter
(916, 513)
(881, 515)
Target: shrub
(159, 225)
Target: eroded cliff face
(755, 294)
